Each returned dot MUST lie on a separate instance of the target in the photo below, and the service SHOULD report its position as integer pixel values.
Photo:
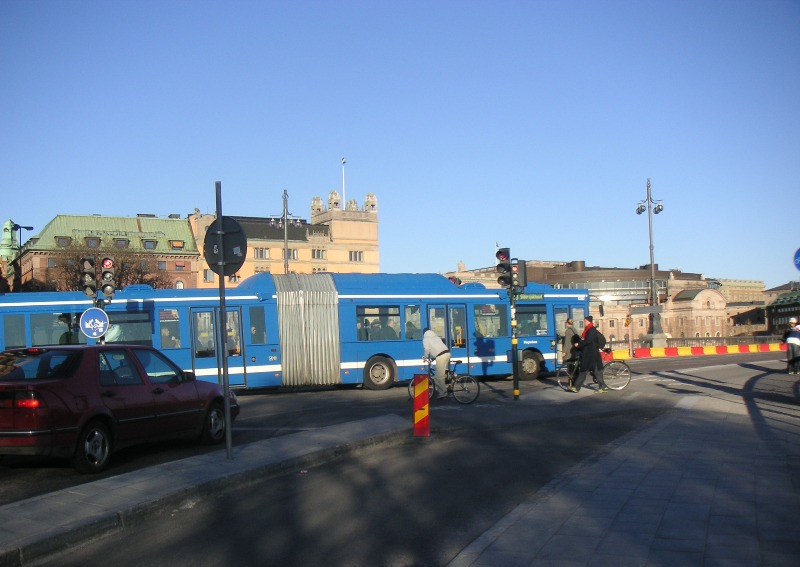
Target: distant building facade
(165, 244)
(336, 240)
(693, 306)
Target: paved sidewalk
(715, 482)
(38, 527)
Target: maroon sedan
(83, 402)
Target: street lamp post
(17, 282)
(652, 207)
(284, 220)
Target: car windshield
(36, 363)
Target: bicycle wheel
(465, 389)
(616, 374)
(563, 377)
(431, 389)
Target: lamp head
(658, 208)
(641, 208)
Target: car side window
(117, 369)
(159, 370)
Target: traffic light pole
(514, 348)
(511, 277)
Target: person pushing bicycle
(591, 361)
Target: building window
(208, 275)
(292, 253)
(177, 244)
(611, 323)
(234, 278)
(180, 266)
(162, 265)
(318, 254)
(93, 242)
(121, 243)
(261, 253)
(149, 244)
(52, 263)
(63, 241)
(356, 256)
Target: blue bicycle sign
(94, 322)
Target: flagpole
(344, 199)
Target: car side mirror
(189, 376)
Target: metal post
(285, 232)
(16, 262)
(222, 342)
(655, 318)
(514, 347)
(344, 199)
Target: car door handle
(158, 391)
(108, 394)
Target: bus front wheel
(530, 366)
(379, 373)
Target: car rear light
(26, 399)
(35, 350)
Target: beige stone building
(336, 240)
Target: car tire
(213, 425)
(93, 451)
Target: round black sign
(234, 247)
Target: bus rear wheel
(379, 373)
(530, 366)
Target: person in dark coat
(590, 357)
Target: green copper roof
(136, 230)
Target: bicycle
(463, 387)
(616, 373)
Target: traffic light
(88, 276)
(503, 256)
(519, 277)
(107, 277)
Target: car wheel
(214, 425)
(379, 373)
(94, 449)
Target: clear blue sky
(532, 124)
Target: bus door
(450, 323)
(205, 345)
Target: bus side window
(170, 329)
(362, 329)
(413, 329)
(14, 331)
(258, 326)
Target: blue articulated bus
(300, 330)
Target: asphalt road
(415, 503)
(274, 413)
